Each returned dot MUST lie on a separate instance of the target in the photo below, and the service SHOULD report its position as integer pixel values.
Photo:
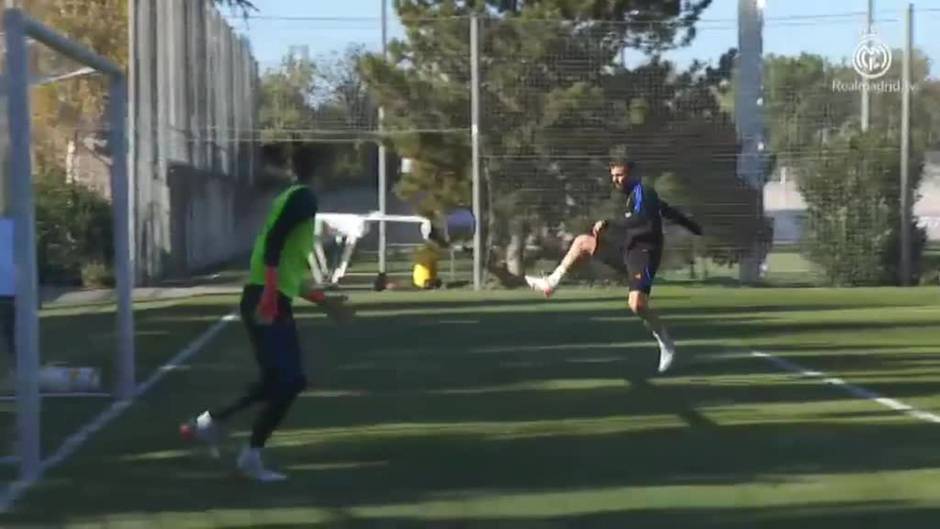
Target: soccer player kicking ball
(631, 244)
(279, 273)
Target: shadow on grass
(555, 409)
(854, 515)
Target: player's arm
(334, 306)
(301, 206)
(673, 214)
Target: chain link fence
(776, 160)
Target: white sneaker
(204, 429)
(667, 352)
(542, 284)
(250, 465)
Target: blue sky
(791, 27)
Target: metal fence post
(905, 268)
(24, 247)
(475, 145)
(125, 383)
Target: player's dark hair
(622, 162)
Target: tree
(61, 108)
(673, 123)
(73, 231)
(313, 114)
(287, 94)
(245, 6)
(849, 179)
(805, 104)
(75, 107)
(543, 65)
(342, 98)
(344, 110)
(850, 184)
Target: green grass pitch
(503, 410)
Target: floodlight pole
(866, 96)
(749, 120)
(905, 268)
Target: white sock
(661, 337)
(204, 420)
(557, 276)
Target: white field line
(16, 489)
(855, 391)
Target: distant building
(784, 203)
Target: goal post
(19, 28)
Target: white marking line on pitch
(856, 391)
(77, 439)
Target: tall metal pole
(131, 131)
(866, 101)
(5, 207)
(4, 151)
(24, 247)
(749, 118)
(906, 147)
(383, 242)
(125, 381)
(475, 145)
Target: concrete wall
(212, 219)
(195, 102)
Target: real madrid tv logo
(872, 57)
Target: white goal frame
(19, 27)
(353, 226)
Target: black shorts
(276, 346)
(639, 264)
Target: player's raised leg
(583, 246)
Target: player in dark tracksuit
(631, 243)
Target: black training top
(641, 218)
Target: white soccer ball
(58, 379)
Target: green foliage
(285, 97)
(804, 106)
(849, 180)
(312, 113)
(60, 109)
(245, 6)
(555, 104)
(674, 125)
(97, 275)
(74, 232)
(851, 187)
